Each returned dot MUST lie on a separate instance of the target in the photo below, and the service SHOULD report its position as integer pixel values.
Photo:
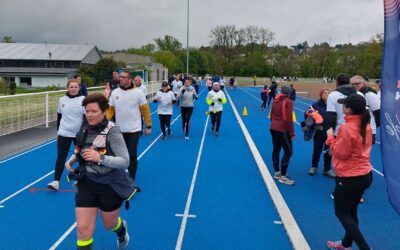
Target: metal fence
(23, 111)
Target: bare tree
(223, 38)
(252, 36)
(266, 36)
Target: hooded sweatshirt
(282, 115)
(334, 109)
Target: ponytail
(365, 120)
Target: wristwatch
(101, 158)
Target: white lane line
(58, 242)
(292, 229)
(30, 150)
(26, 187)
(189, 216)
(71, 228)
(190, 194)
(261, 102)
(377, 171)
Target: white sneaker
(186, 138)
(55, 185)
(122, 242)
(286, 180)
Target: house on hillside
(43, 65)
(156, 71)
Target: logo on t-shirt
(117, 97)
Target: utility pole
(187, 41)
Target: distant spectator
(292, 95)
(83, 87)
(378, 83)
(272, 91)
(264, 97)
(222, 82)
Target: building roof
(20, 71)
(38, 51)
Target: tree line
(249, 51)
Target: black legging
(348, 192)
(165, 122)
(63, 145)
(281, 140)
(264, 103)
(132, 141)
(216, 118)
(319, 144)
(186, 113)
(270, 97)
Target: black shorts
(94, 194)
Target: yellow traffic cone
(244, 111)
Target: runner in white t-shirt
(165, 99)
(129, 105)
(176, 86)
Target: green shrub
(13, 88)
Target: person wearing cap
(215, 99)
(372, 99)
(351, 151)
(188, 94)
(282, 132)
(129, 105)
(166, 98)
(320, 136)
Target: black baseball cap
(355, 102)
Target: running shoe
(212, 128)
(216, 133)
(163, 137)
(54, 185)
(123, 241)
(277, 175)
(336, 245)
(186, 138)
(330, 173)
(312, 171)
(169, 131)
(286, 180)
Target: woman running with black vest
(103, 182)
(69, 120)
(166, 98)
(188, 94)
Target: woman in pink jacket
(351, 161)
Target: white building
(43, 65)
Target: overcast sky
(120, 24)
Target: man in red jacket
(282, 133)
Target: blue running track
(205, 193)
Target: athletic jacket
(215, 100)
(282, 115)
(188, 95)
(350, 157)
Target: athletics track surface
(206, 193)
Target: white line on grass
(377, 171)
(190, 194)
(292, 229)
(26, 187)
(71, 228)
(30, 150)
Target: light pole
(187, 40)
